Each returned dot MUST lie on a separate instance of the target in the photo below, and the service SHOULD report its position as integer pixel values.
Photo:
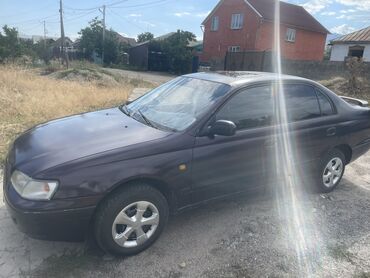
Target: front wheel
(131, 220)
(331, 170)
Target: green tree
(144, 37)
(10, 48)
(177, 51)
(92, 41)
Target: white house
(356, 44)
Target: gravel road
(240, 237)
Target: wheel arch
(346, 150)
(158, 184)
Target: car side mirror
(223, 128)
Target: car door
(228, 164)
(312, 127)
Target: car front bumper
(63, 220)
(62, 225)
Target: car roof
(238, 78)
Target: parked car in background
(118, 173)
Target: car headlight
(32, 189)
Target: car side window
(250, 108)
(325, 104)
(301, 103)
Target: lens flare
(293, 206)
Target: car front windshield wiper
(149, 122)
(125, 109)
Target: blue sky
(131, 17)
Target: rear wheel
(331, 170)
(131, 220)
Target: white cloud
(358, 4)
(328, 13)
(181, 14)
(342, 29)
(203, 14)
(135, 15)
(315, 6)
(347, 11)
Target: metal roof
(362, 35)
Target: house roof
(126, 40)
(290, 14)
(360, 36)
(160, 38)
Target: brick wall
(216, 43)
(307, 46)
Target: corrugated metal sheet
(362, 35)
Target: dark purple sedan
(118, 173)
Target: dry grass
(340, 86)
(26, 99)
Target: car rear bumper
(64, 225)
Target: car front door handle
(331, 131)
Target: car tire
(331, 171)
(130, 220)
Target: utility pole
(62, 34)
(44, 35)
(103, 47)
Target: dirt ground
(240, 237)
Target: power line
(145, 5)
(122, 18)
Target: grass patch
(27, 98)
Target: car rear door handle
(331, 131)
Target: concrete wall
(340, 51)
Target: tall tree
(144, 37)
(177, 51)
(10, 48)
(92, 41)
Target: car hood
(75, 137)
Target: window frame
(213, 29)
(333, 107)
(231, 48)
(291, 35)
(239, 19)
(202, 128)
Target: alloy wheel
(135, 224)
(333, 172)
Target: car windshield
(177, 104)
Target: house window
(215, 23)
(290, 35)
(356, 51)
(234, 48)
(237, 21)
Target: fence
(263, 61)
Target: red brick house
(245, 25)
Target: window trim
(241, 17)
(218, 23)
(202, 127)
(230, 48)
(287, 38)
(333, 107)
